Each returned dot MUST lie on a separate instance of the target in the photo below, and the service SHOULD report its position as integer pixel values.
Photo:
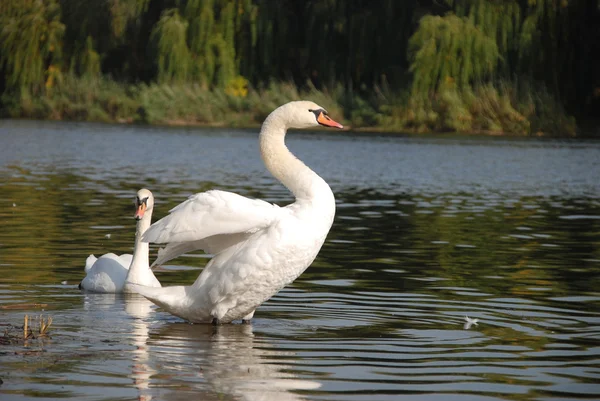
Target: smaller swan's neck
(304, 183)
(141, 250)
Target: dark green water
(428, 230)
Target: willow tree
(450, 50)
(112, 29)
(355, 43)
(30, 42)
(500, 21)
(358, 42)
(89, 60)
(123, 13)
(547, 38)
(553, 42)
(171, 49)
(199, 38)
(246, 36)
(212, 39)
(519, 27)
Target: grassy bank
(496, 109)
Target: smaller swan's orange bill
(324, 119)
(139, 211)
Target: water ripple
(428, 233)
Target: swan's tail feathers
(173, 250)
(169, 298)
(148, 292)
(89, 262)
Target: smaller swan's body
(107, 273)
(258, 247)
(111, 273)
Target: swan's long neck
(139, 264)
(304, 183)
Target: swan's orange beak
(324, 119)
(140, 210)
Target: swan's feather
(155, 293)
(125, 259)
(173, 250)
(172, 298)
(89, 262)
(107, 274)
(212, 245)
(212, 214)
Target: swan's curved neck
(141, 250)
(304, 183)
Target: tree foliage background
(369, 48)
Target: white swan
(258, 247)
(111, 273)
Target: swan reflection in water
(122, 319)
(229, 358)
(176, 361)
(140, 308)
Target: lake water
(428, 230)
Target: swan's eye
(318, 112)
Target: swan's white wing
(106, 275)
(212, 213)
(213, 245)
(125, 260)
(89, 262)
(173, 250)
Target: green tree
(548, 41)
(114, 28)
(30, 43)
(374, 49)
(172, 53)
(211, 40)
(450, 49)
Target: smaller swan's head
(305, 114)
(144, 202)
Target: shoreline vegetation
(483, 110)
(511, 67)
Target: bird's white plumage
(111, 273)
(89, 262)
(258, 247)
(211, 221)
(123, 260)
(107, 273)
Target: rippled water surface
(428, 230)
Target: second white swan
(258, 247)
(111, 273)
